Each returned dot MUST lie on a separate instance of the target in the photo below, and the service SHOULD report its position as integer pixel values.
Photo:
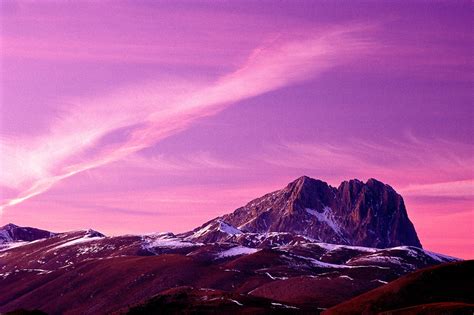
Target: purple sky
(142, 116)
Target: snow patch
(412, 252)
(165, 240)
(317, 263)
(236, 302)
(380, 281)
(274, 277)
(202, 231)
(7, 246)
(80, 240)
(246, 223)
(383, 256)
(227, 228)
(327, 217)
(379, 258)
(217, 225)
(283, 305)
(332, 247)
(237, 251)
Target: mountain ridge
(368, 214)
(61, 273)
(251, 258)
(12, 233)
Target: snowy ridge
(317, 263)
(89, 236)
(249, 262)
(13, 233)
(388, 256)
(417, 252)
(215, 226)
(227, 228)
(165, 240)
(334, 247)
(10, 245)
(206, 229)
(79, 240)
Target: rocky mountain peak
(311, 193)
(356, 213)
(9, 226)
(12, 233)
(93, 233)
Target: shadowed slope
(443, 284)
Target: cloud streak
(164, 163)
(461, 189)
(416, 166)
(138, 117)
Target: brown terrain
(443, 289)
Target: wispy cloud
(414, 165)
(134, 33)
(165, 163)
(140, 116)
(462, 188)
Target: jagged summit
(369, 214)
(93, 233)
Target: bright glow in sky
(137, 116)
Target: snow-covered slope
(250, 264)
(12, 235)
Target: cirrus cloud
(151, 112)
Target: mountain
(85, 272)
(11, 235)
(268, 256)
(368, 214)
(443, 289)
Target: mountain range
(305, 248)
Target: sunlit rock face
(369, 214)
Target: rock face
(368, 214)
(13, 233)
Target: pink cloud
(401, 162)
(130, 33)
(462, 188)
(158, 110)
(165, 163)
